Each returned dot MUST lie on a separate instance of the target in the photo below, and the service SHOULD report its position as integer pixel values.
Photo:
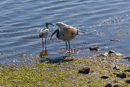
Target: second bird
(44, 33)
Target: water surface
(101, 20)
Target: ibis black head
(47, 23)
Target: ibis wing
(70, 32)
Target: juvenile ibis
(44, 33)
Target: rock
(119, 54)
(127, 70)
(94, 48)
(113, 40)
(115, 81)
(111, 52)
(117, 86)
(128, 58)
(108, 85)
(103, 54)
(84, 70)
(104, 77)
(128, 81)
(121, 75)
(89, 82)
(116, 68)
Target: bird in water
(44, 33)
(66, 33)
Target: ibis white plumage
(66, 33)
(44, 33)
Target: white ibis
(44, 33)
(66, 33)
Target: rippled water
(101, 20)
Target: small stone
(104, 54)
(117, 86)
(111, 52)
(104, 77)
(116, 68)
(128, 81)
(89, 82)
(94, 48)
(127, 70)
(121, 75)
(113, 40)
(84, 70)
(108, 85)
(115, 81)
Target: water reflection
(71, 51)
(44, 54)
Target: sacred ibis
(44, 33)
(66, 33)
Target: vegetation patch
(64, 73)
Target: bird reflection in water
(44, 53)
(72, 51)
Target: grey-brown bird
(66, 33)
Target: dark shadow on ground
(57, 60)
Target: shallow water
(101, 20)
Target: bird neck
(57, 35)
(47, 26)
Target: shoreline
(65, 72)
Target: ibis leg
(66, 45)
(69, 45)
(45, 43)
(42, 43)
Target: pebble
(128, 81)
(127, 70)
(108, 85)
(116, 68)
(104, 77)
(84, 70)
(121, 75)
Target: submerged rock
(113, 40)
(84, 70)
(94, 48)
(121, 75)
(108, 85)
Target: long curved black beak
(47, 23)
(53, 33)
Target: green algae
(63, 73)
